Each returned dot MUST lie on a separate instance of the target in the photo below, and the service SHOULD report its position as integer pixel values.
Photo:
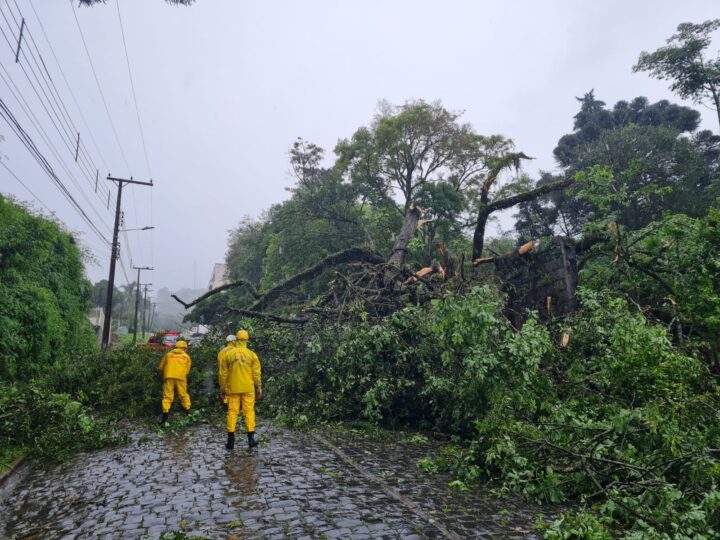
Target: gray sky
(225, 86)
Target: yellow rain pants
(247, 400)
(169, 387)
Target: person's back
(227, 349)
(242, 367)
(240, 382)
(176, 365)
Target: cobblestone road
(297, 485)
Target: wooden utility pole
(137, 301)
(114, 255)
(145, 306)
(153, 307)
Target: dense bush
(49, 425)
(127, 383)
(75, 404)
(43, 294)
(620, 420)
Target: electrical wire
(132, 86)
(38, 199)
(47, 168)
(36, 124)
(60, 109)
(72, 178)
(67, 84)
(107, 110)
(97, 82)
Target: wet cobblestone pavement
(297, 485)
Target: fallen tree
(486, 208)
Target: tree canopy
(682, 61)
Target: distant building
(219, 276)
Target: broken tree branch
(486, 209)
(240, 283)
(407, 231)
(346, 256)
(269, 316)
(522, 250)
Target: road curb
(12, 469)
(18, 466)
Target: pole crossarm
(129, 181)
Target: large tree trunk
(479, 234)
(407, 231)
(486, 210)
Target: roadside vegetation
(58, 393)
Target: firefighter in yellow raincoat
(175, 367)
(240, 383)
(228, 348)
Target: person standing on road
(240, 382)
(227, 349)
(175, 367)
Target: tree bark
(486, 210)
(407, 231)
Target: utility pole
(114, 255)
(137, 301)
(145, 309)
(153, 307)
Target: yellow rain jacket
(175, 365)
(223, 351)
(240, 370)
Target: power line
(38, 199)
(62, 114)
(132, 85)
(67, 84)
(104, 189)
(33, 120)
(107, 109)
(64, 126)
(42, 103)
(97, 82)
(45, 165)
(82, 152)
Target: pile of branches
(369, 284)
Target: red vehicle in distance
(161, 341)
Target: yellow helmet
(242, 335)
(181, 345)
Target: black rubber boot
(186, 411)
(165, 418)
(230, 444)
(252, 439)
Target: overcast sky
(225, 86)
